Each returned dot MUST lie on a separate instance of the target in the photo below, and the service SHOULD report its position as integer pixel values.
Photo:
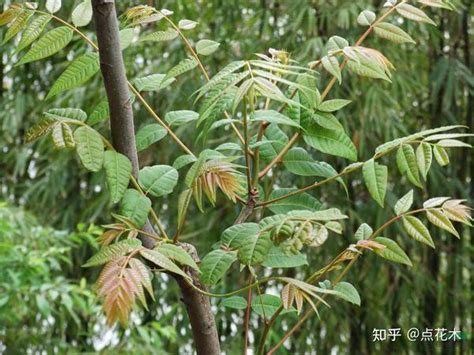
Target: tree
(264, 94)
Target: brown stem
(123, 137)
(247, 316)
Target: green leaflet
(100, 113)
(330, 141)
(50, 43)
(335, 43)
(33, 31)
(158, 180)
(113, 251)
(183, 204)
(303, 201)
(235, 236)
(179, 118)
(76, 74)
(363, 232)
(177, 253)
(333, 105)
(182, 67)
(404, 204)
(135, 206)
(299, 162)
(40, 129)
(273, 116)
(66, 114)
(162, 261)
(424, 158)
(439, 219)
(392, 33)
(215, 264)
(17, 25)
(277, 258)
(206, 47)
(160, 36)
(441, 155)
(266, 305)
(149, 134)
(126, 37)
(118, 169)
(278, 140)
(407, 164)
(82, 14)
(63, 136)
(235, 302)
(347, 292)
(331, 64)
(255, 249)
(375, 178)
(417, 230)
(368, 69)
(152, 82)
(392, 251)
(413, 13)
(89, 147)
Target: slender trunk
(123, 138)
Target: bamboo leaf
(215, 264)
(135, 206)
(76, 74)
(375, 178)
(417, 230)
(392, 251)
(118, 169)
(158, 180)
(89, 147)
(113, 251)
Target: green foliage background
(46, 298)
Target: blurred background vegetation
(51, 208)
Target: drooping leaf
(149, 134)
(417, 230)
(215, 264)
(347, 292)
(413, 13)
(89, 147)
(178, 254)
(235, 236)
(135, 206)
(76, 74)
(441, 155)
(152, 82)
(303, 201)
(439, 219)
(82, 14)
(63, 136)
(179, 118)
(162, 261)
(118, 169)
(277, 258)
(375, 178)
(404, 204)
(363, 232)
(235, 302)
(330, 142)
(254, 249)
(53, 5)
(424, 158)
(206, 47)
(33, 31)
(50, 43)
(273, 116)
(408, 165)
(392, 251)
(392, 33)
(113, 251)
(158, 180)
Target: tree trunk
(123, 138)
